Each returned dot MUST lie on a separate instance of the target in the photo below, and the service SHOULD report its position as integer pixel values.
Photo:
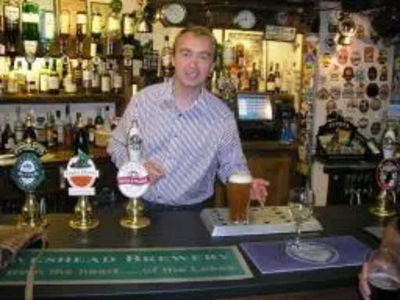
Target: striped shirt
(192, 146)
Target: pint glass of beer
(384, 275)
(238, 190)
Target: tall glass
(238, 191)
(384, 275)
(301, 204)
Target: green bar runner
(109, 266)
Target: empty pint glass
(239, 185)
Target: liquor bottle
(7, 136)
(21, 78)
(86, 76)
(18, 126)
(90, 129)
(117, 79)
(59, 127)
(81, 30)
(278, 81)
(54, 79)
(253, 82)
(49, 128)
(11, 25)
(166, 59)
(2, 41)
(31, 84)
(44, 78)
(47, 29)
(95, 33)
(228, 53)
(68, 128)
(65, 23)
(113, 32)
(81, 140)
(271, 80)
(77, 67)
(95, 79)
(40, 130)
(128, 38)
(29, 132)
(105, 80)
(12, 82)
(30, 29)
(99, 120)
(284, 79)
(107, 119)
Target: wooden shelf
(61, 98)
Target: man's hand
(155, 171)
(258, 190)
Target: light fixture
(347, 29)
(143, 24)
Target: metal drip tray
(270, 220)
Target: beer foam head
(240, 177)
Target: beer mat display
(318, 253)
(13, 240)
(268, 220)
(110, 266)
(376, 231)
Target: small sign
(81, 174)
(132, 179)
(115, 266)
(27, 172)
(280, 33)
(387, 174)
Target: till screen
(254, 107)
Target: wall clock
(245, 19)
(173, 13)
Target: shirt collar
(168, 100)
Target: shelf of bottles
(39, 55)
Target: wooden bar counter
(185, 229)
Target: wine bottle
(253, 82)
(81, 141)
(271, 80)
(81, 30)
(54, 79)
(95, 33)
(47, 29)
(113, 32)
(29, 132)
(166, 59)
(68, 129)
(65, 23)
(59, 126)
(30, 29)
(11, 25)
(18, 126)
(7, 136)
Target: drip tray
(268, 220)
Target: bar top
(185, 229)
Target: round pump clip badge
(387, 174)
(133, 179)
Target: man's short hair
(198, 31)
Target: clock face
(245, 19)
(173, 13)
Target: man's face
(193, 60)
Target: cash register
(260, 115)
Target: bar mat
(318, 253)
(376, 231)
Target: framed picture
(253, 45)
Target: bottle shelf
(61, 98)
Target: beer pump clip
(133, 182)
(28, 173)
(387, 176)
(81, 173)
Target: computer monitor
(254, 107)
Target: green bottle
(30, 28)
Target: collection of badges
(354, 80)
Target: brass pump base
(134, 218)
(30, 215)
(83, 218)
(384, 206)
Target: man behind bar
(188, 134)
